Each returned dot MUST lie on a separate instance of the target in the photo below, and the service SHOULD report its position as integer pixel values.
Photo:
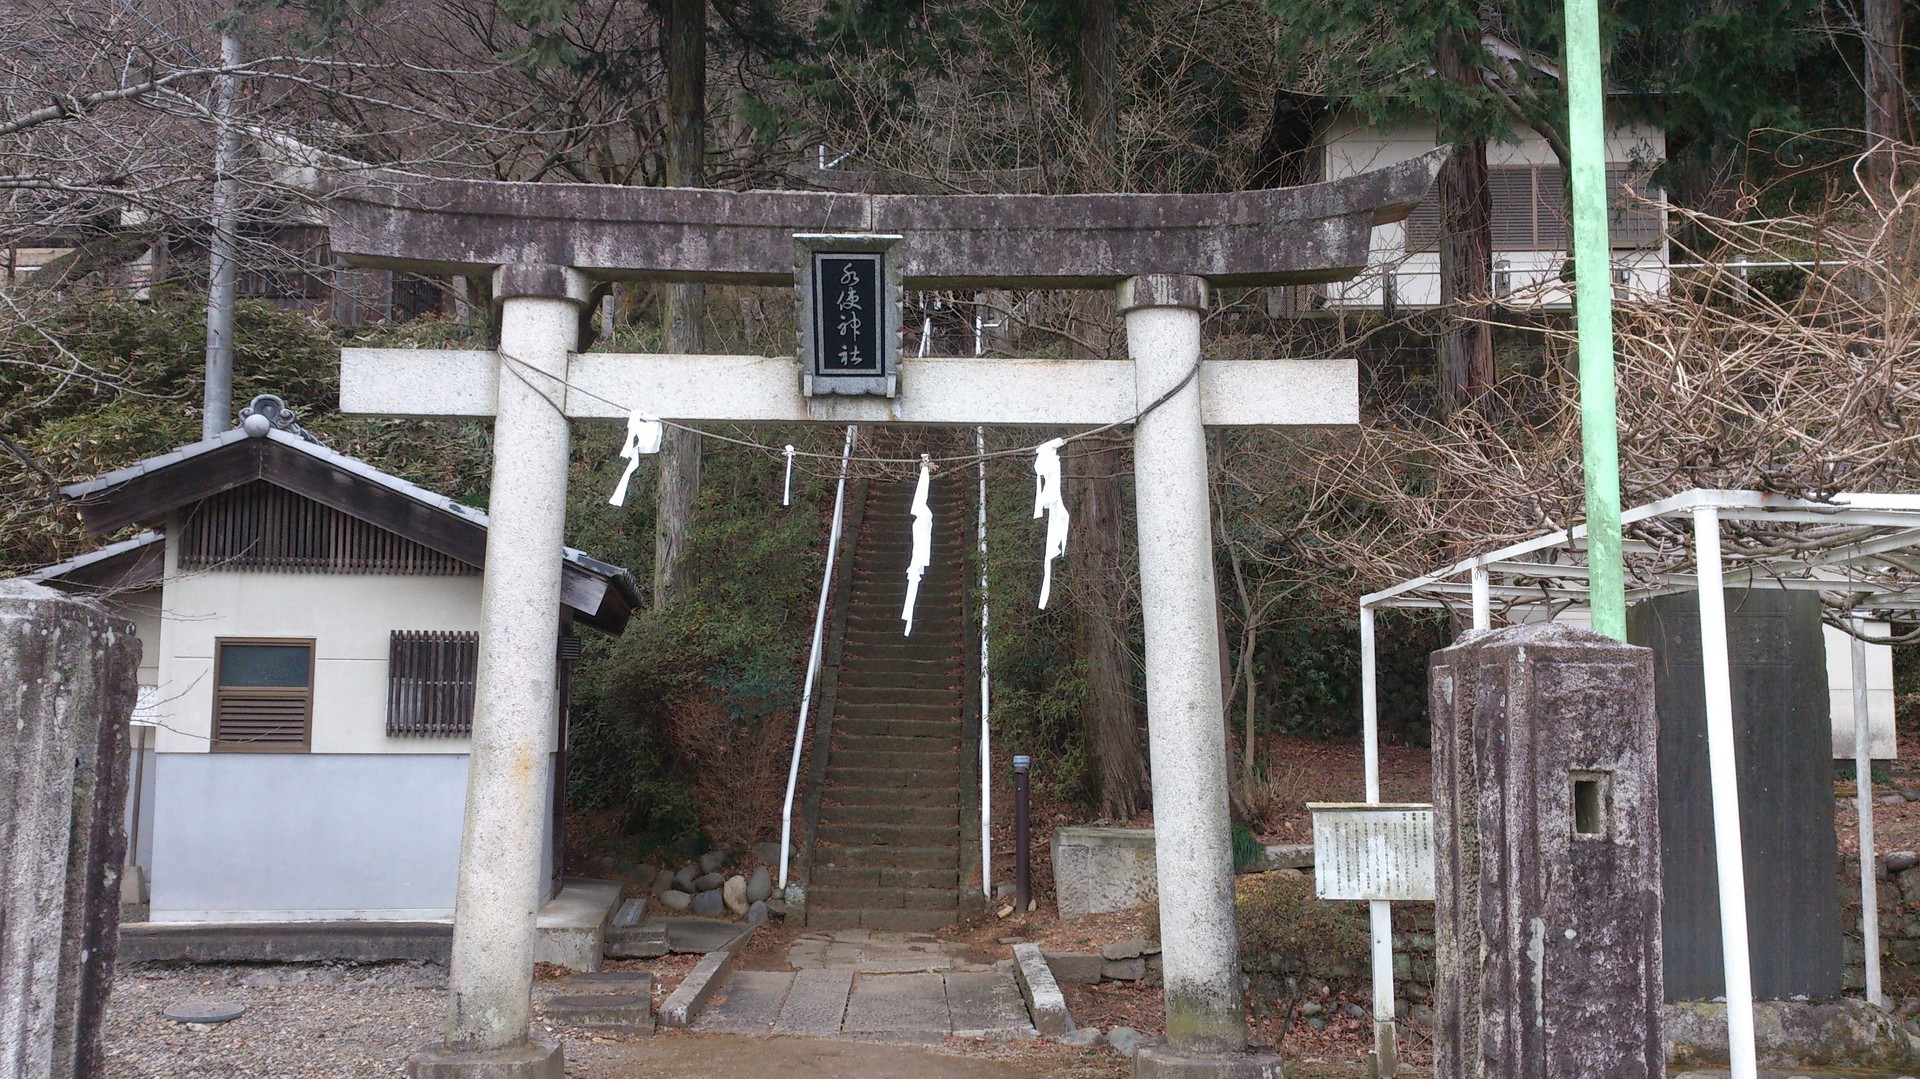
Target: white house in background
(309, 627)
(1530, 224)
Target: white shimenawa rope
(922, 539)
(643, 437)
(1049, 499)
(786, 495)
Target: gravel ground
(302, 1022)
(346, 1021)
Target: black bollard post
(1022, 867)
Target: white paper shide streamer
(643, 437)
(786, 495)
(1049, 499)
(922, 540)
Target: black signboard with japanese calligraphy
(848, 285)
(849, 293)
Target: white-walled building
(1529, 216)
(310, 634)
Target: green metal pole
(1593, 317)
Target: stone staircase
(886, 853)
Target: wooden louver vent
(260, 526)
(260, 719)
(430, 678)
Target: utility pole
(679, 485)
(217, 412)
(1593, 318)
(1886, 95)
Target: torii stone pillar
(515, 693)
(1187, 740)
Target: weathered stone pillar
(516, 694)
(67, 687)
(1193, 847)
(1547, 847)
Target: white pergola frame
(1852, 553)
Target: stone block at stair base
(626, 1013)
(571, 929)
(1046, 1005)
(1080, 968)
(538, 1059)
(1159, 1061)
(1096, 870)
(633, 982)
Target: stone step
(886, 556)
(946, 568)
(845, 776)
(870, 646)
(624, 1013)
(925, 664)
(886, 921)
(894, 643)
(859, 816)
(840, 876)
(887, 618)
(860, 672)
(885, 574)
(904, 796)
(844, 835)
(857, 725)
(928, 692)
(906, 760)
(881, 609)
(869, 856)
(940, 669)
(832, 897)
(948, 713)
(852, 747)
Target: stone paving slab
(987, 1004)
(748, 1004)
(816, 1004)
(698, 935)
(898, 1007)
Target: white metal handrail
(813, 659)
(986, 707)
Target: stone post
(516, 695)
(1193, 847)
(1547, 857)
(67, 687)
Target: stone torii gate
(547, 245)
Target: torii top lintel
(1287, 235)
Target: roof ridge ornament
(268, 412)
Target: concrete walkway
(870, 986)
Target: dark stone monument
(1548, 858)
(67, 688)
(1783, 751)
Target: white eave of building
(603, 594)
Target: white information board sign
(1368, 851)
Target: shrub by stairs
(886, 854)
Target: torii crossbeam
(545, 245)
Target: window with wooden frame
(430, 677)
(263, 695)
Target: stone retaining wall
(1899, 901)
(1898, 874)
